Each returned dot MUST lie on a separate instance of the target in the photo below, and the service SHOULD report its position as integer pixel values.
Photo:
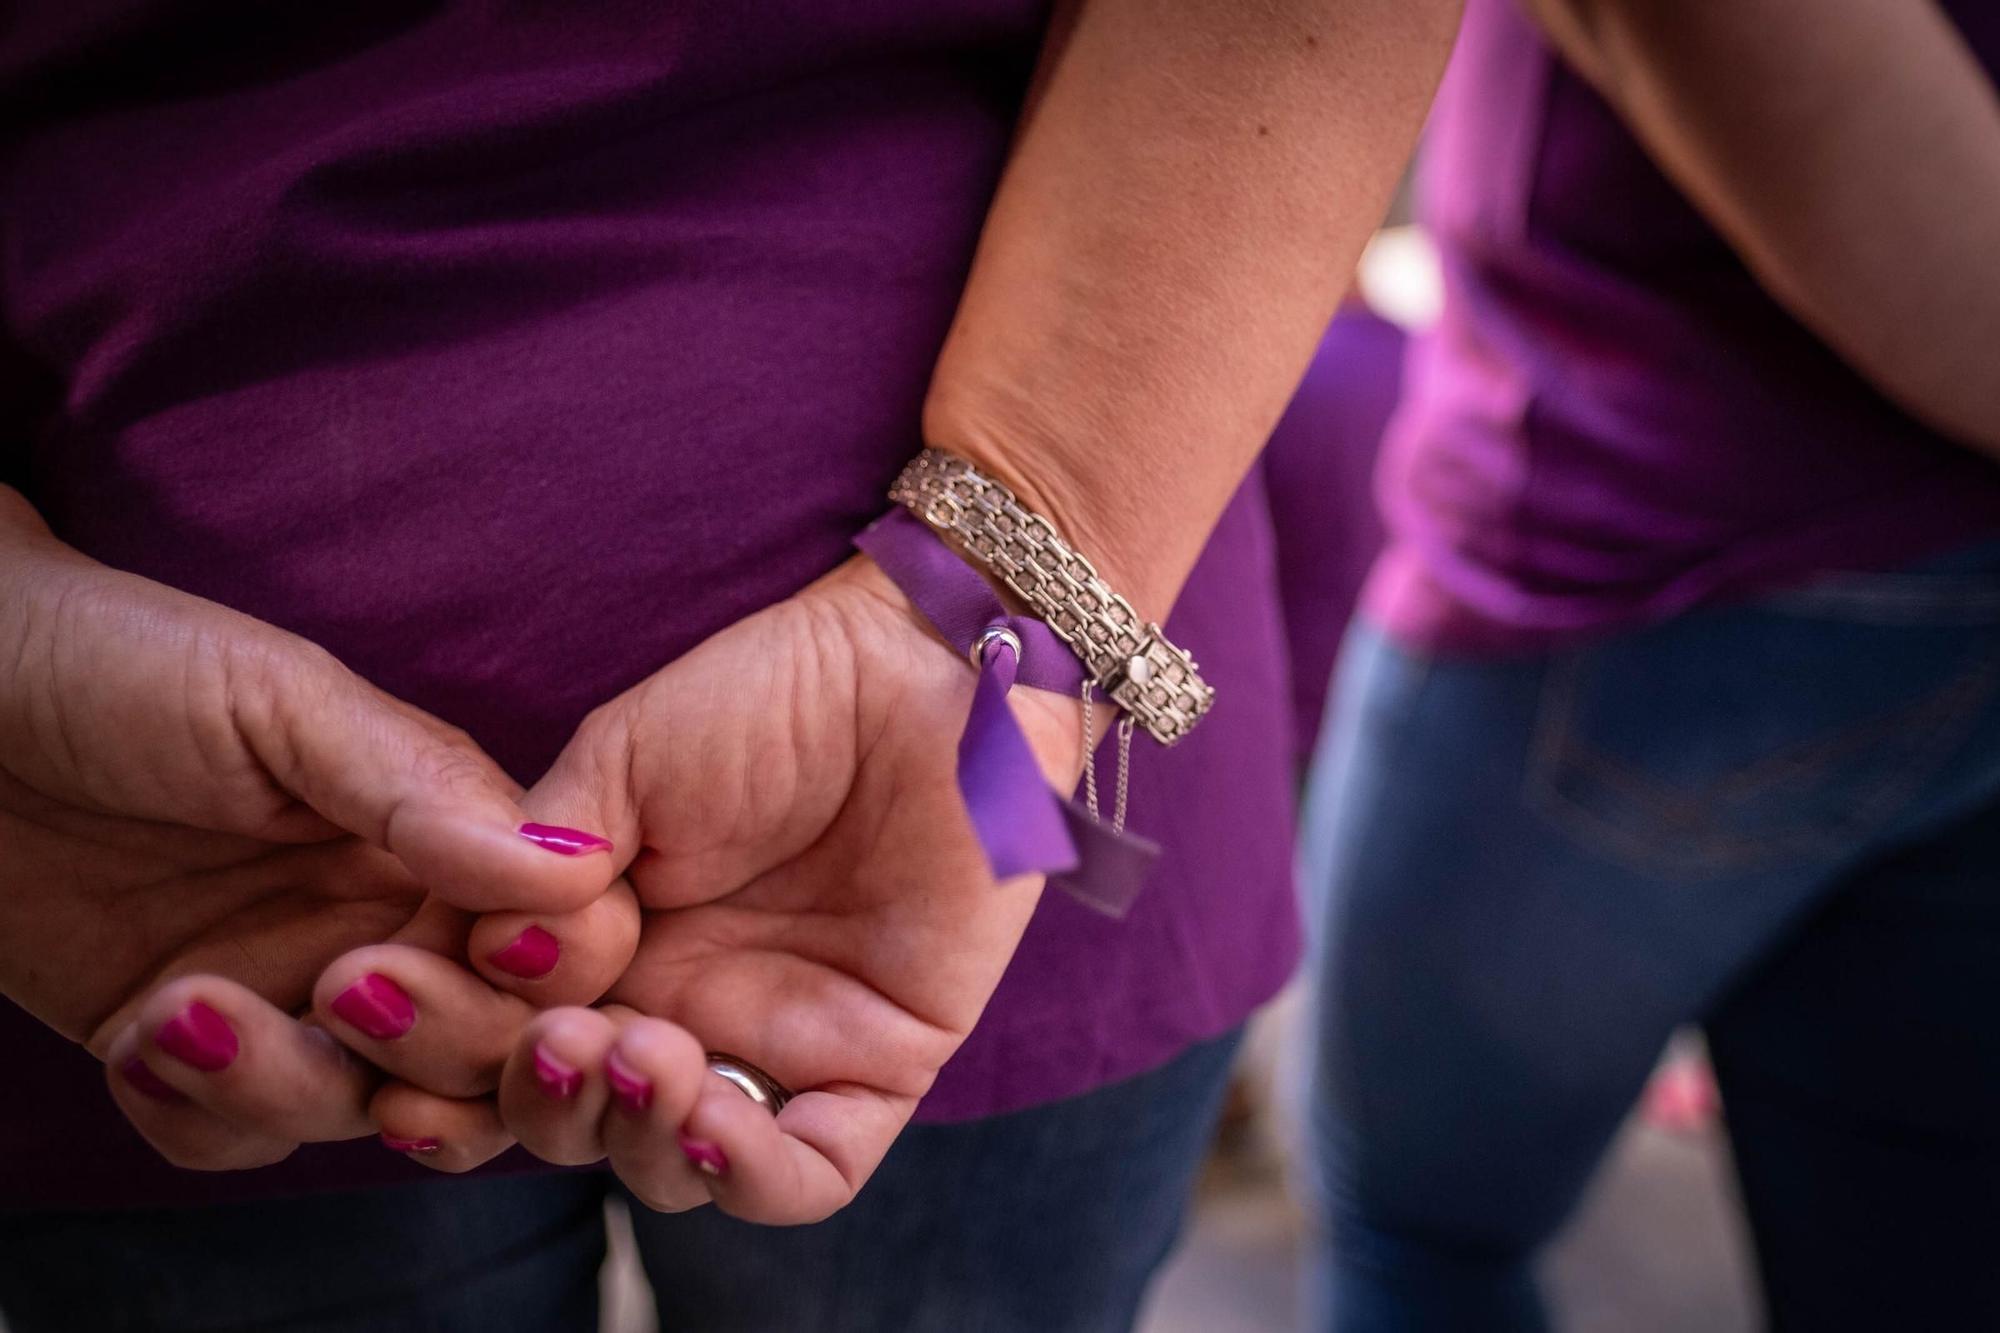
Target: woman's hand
(1182, 208)
(185, 790)
(814, 902)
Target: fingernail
(564, 841)
(634, 1091)
(377, 1007)
(704, 1156)
(394, 1144)
(557, 1079)
(530, 954)
(198, 1036)
(141, 1076)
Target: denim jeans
(1042, 1221)
(1779, 820)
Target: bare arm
(1850, 151)
(1185, 204)
(1182, 210)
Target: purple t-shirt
(510, 350)
(1316, 470)
(1612, 422)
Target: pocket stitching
(1667, 836)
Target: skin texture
(1849, 150)
(1189, 191)
(1191, 188)
(187, 793)
(784, 805)
(812, 892)
(1186, 198)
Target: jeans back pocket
(1784, 733)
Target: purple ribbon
(1023, 825)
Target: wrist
(1088, 487)
(984, 523)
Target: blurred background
(1658, 1247)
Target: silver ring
(751, 1081)
(990, 635)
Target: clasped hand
(284, 907)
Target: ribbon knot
(1022, 824)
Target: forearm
(1850, 151)
(1186, 200)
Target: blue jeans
(1046, 1220)
(1781, 821)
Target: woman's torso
(1612, 420)
(510, 351)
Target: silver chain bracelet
(1132, 661)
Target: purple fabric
(1023, 826)
(1013, 812)
(1017, 819)
(510, 350)
(1317, 469)
(960, 604)
(1613, 422)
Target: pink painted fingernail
(633, 1090)
(141, 1076)
(557, 1079)
(530, 954)
(704, 1156)
(198, 1036)
(564, 841)
(377, 1007)
(394, 1144)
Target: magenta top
(1613, 422)
(510, 350)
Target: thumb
(590, 786)
(398, 777)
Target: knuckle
(454, 766)
(170, 997)
(435, 1071)
(563, 1151)
(796, 1216)
(587, 1029)
(191, 1157)
(231, 1156)
(662, 1199)
(464, 1083)
(262, 668)
(446, 734)
(448, 1162)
